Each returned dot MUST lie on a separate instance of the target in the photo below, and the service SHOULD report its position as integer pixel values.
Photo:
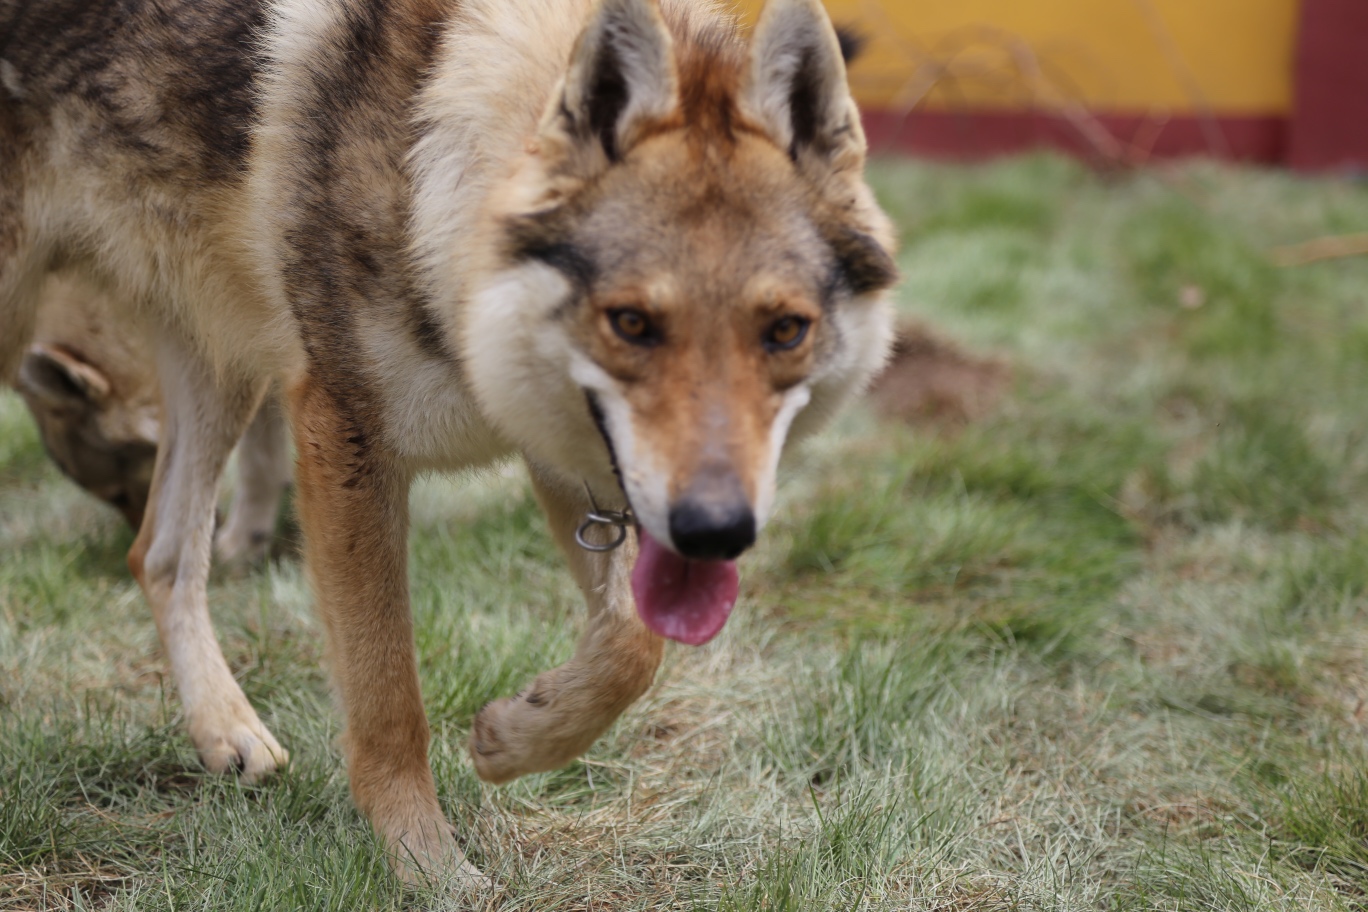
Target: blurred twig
(986, 56)
(983, 56)
(1211, 128)
(1332, 247)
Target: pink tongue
(685, 600)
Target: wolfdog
(617, 237)
(94, 397)
(92, 390)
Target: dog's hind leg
(263, 475)
(352, 500)
(564, 710)
(204, 416)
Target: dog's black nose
(704, 531)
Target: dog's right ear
(60, 380)
(621, 80)
(852, 43)
(795, 86)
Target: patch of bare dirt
(931, 380)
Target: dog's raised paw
(529, 733)
(492, 760)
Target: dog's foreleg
(170, 558)
(263, 475)
(564, 710)
(353, 508)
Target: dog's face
(691, 269)
(104, 442)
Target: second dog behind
(90, 382)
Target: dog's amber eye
(633, 325)
(786, 333)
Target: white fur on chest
(430, 416)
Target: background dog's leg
(21, 266)
(564, 710)
(204, 417)
(353, 507)
(21, 277)
(263, 475)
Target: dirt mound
(930, 380)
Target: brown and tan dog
(91, 386)
(617, 237)
(87, 382)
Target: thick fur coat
(616, 237)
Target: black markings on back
(171, 81)
(347, 251)
(217, 99)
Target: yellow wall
(1117, 55)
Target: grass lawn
(1096, 640)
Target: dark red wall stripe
(1104, 138)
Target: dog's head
(690, 267)
(105, 442)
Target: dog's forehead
(706, 226)
(745, 173)
(715, 259)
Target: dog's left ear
(621, 78)
(795, 87)
(60, 380)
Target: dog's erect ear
(795, 87)
(852, 42)
(60, 380)
(621, 78)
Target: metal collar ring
(622, 520)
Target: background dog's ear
(61, 380)
(795, 87)
(621, 78)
